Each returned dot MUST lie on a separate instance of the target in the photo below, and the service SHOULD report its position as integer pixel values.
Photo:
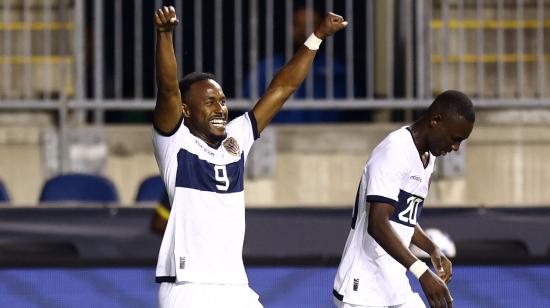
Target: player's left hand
(442, 265)
(331, 24)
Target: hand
(165, 19)
(435, 290)
(331, 24)
(442, 265)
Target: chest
(211, 170)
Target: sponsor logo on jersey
(232, 146)
(416, 178)
(356, 284)
(182, 262)
(204, 148)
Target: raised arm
(292, 74)
(381, 230)
(168, 108)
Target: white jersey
(394, 174)
(204, 236)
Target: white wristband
(313, 42)
(418, 268)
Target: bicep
(380, 212)
(268, 106)
(168, 111)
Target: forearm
(422, 240)
(165, 63)
(168, 108)
(292, 74)
(285, 82)
(289, 78)
(295, 71)
(386, 237)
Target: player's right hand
(442, 265)
(436, 290)
(165, 18)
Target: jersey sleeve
(245, 129)
(385, 173)
(166, 147)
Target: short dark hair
(453, 103)
(189, 79)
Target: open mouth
(218, 122)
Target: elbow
(284, 85)
(291, 87)
(377, 229)
(373, 230)
(281, 92)
(167, 91)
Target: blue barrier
(279, 287)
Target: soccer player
(390, 197)
(201, 160)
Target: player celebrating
(201, 160)
(389, 200)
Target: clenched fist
(165, 19)
(331, 24)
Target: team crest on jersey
(232, 146)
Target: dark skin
(204, 107)
(300, 22)
(158, 224)
(438, 133)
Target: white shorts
(414, 302)
(197, 295)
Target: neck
(214, 144)
(419, 131)
(211, 144)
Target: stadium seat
(150, 190)
(78, 187)
(4, 197)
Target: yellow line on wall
(490, 58)
(36, 26)
(36, 59)
(489, 24)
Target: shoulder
(180, 129)
(392, 152)
(244, 122)
(238, 122)
(395, 144)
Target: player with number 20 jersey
(394, 174)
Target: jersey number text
(220, 173)
(409, 214)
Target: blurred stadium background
(76, 94)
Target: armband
(418, 268)
(313, 42)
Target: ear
(186, 110)
(435, 120)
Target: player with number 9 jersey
(201, 159)
(395, 175)
(204, 236)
